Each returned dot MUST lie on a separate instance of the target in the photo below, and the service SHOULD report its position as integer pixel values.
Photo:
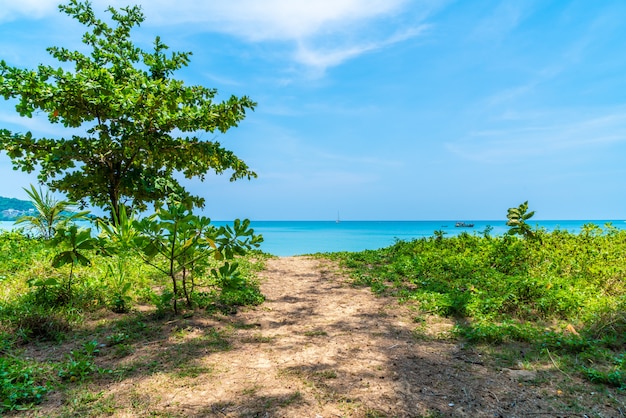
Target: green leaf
(63, 258)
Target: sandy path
(320, 347)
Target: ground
(319, 347)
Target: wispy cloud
(547, 134)
(320, 58)
(270, 19)
(317, 34)
(34, 9)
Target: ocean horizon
(289, 238)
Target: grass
(315, 333)
(561, 295)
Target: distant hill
(11, 209)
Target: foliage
(119, 233)
(235, 289)
(119, 290)
(80, 363)
(36, 306)
(119, 236)
(50, 213)
(517, 218)
(18, 253)
(76, 241)
(132, 109)
(21, 384)
(500, 289)
(188, 242)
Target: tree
(135, 114)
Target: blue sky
(387, 109)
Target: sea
(288, 238)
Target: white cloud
(543, 134)
(270, 19)
(11, 9)
(319, 34)
(321, 58)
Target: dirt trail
(319, 347)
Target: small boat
(464, 225)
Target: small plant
(236, 290)
(117, 338)
(615, 375)
(50, 213)
(21, 384)
(119, 238)
(77, 241)
(119, 289)
(80, 364)
(517, 218)
(187, 242)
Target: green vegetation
(560, 294)
(517, 218)
(40, 305)
(187, 243)
(134, 113)
(11, 209)
(211, 269)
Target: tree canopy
(142, 127)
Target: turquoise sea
(285, 238)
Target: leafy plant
(187, 242)
(119, 299)
(77, 241)
(50, 213)
(119, 237)
(120, 232)
(235, 289)
(505, 290)
(80, 363)
(517, 218)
